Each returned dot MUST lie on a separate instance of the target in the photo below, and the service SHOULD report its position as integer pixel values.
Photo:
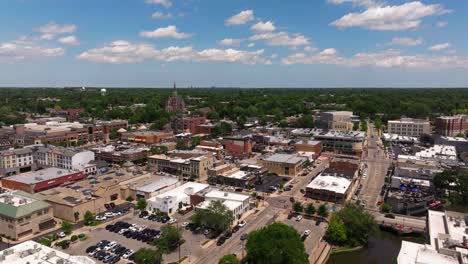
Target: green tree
(113, 134)
(158, 150)
(129, 199)
(215, 216)
(45, 241)
(180, 145)
(276, 244)
(336, 230)
(305, 121)
(385, 208)
(229, 259)
(88, 218)
(171, 237)
(297, 207)
(310, 209)
(456, 182)
(195, 141)
(67, 227)
(322, 211)
(142, 204)
(148, 256)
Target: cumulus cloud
(328, 52)
(384, 59)
(364, 3)
(241, 18)
(406, 41)
(230, 42)
(438, 47)
(310, 49)
(250, 45)
(281, 39)
(398, 17)
(161, 15)
(263, 27)
(165, 32)
(165, 3)
(24, 49)
(122, 51)
(50, 30)
(69, 40)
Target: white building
(168, 202)
(70, 159)
(156, 187)
(329, 188)
(409, 127)
(237, 203)
(33, 252)
(448, 241)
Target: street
(377, 165)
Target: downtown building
(409, 127)
(451, 126)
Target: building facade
(175, 103)
(451, 125)
(183, 123)
(284, 164)
(239, 147)
(409, 127)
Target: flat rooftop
(228, 196)
(340, 134)
(158, 184)
(46, 174)
(285, 158)
(330, 183)
(33, 252)
(183, 191)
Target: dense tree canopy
(148, 256)
(216, 216)
(171, 237)
(276, 244)
(456, 181)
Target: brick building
(451, 125)
(238, 146)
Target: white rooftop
(228, 196)
(15, 198)
(33, 252)
(182, 191)
(439, 151)
(285, 158)
(158, 184)
(231, 205)
(238, 175)
(46, 174)
(330, 183)
(413, 253)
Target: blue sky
(274, 43)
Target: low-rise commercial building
(108, 126)
(329, 187)
(409, 127)
(337, 120)
(169, 202)
(15, 161)
(184, 123)
(448, 243)
(120, 153)
(409, 196)
(148, 137)
(23, 215)
(309, 146)
(240, 147)
(35, 181)
(191, 163)
(33, 252)
(283, 164)
(237, 203)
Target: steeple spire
(174, 91)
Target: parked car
(172, 221)
(100, 218)
(392, 216)
(299, 218)
(62, 234)
(244, 236)
(242, 223)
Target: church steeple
(174, 90)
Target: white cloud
(69, 40)
(438, 47)
(281, 39)
(47, 36)
(251, 45)
(241, 18)
(328, 52)
(122, 51)
(55, 29)
(165, 32)
(364, 3)
(25, 49)
(161, 15)
(384, 59)
(165, 3)
(263, 27)
(399, 17)
(406, 41)
(310, 49)
(441, 24)
(230, 42)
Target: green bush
(74, 238)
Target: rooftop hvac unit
(2, 258)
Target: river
(383, 249)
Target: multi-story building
(23, 215)
(337, 120)
(309, 146)
(184, 123)
(191, 163)
(237, 203)
(108, 126)
(33, 252)
(283, 164)
(148, 137)
(451, 125)
(16, 160)
(72, 114)
(409, 127)
(240, 147)
(169, 202)
(341, 142)
(175, 103)
(120, 153)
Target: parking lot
(270, 180)
(396, 149)
(192, 245)
(316, 231)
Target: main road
(376, 164)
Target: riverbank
(383, 248)
(345, 250)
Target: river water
(383, 249)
